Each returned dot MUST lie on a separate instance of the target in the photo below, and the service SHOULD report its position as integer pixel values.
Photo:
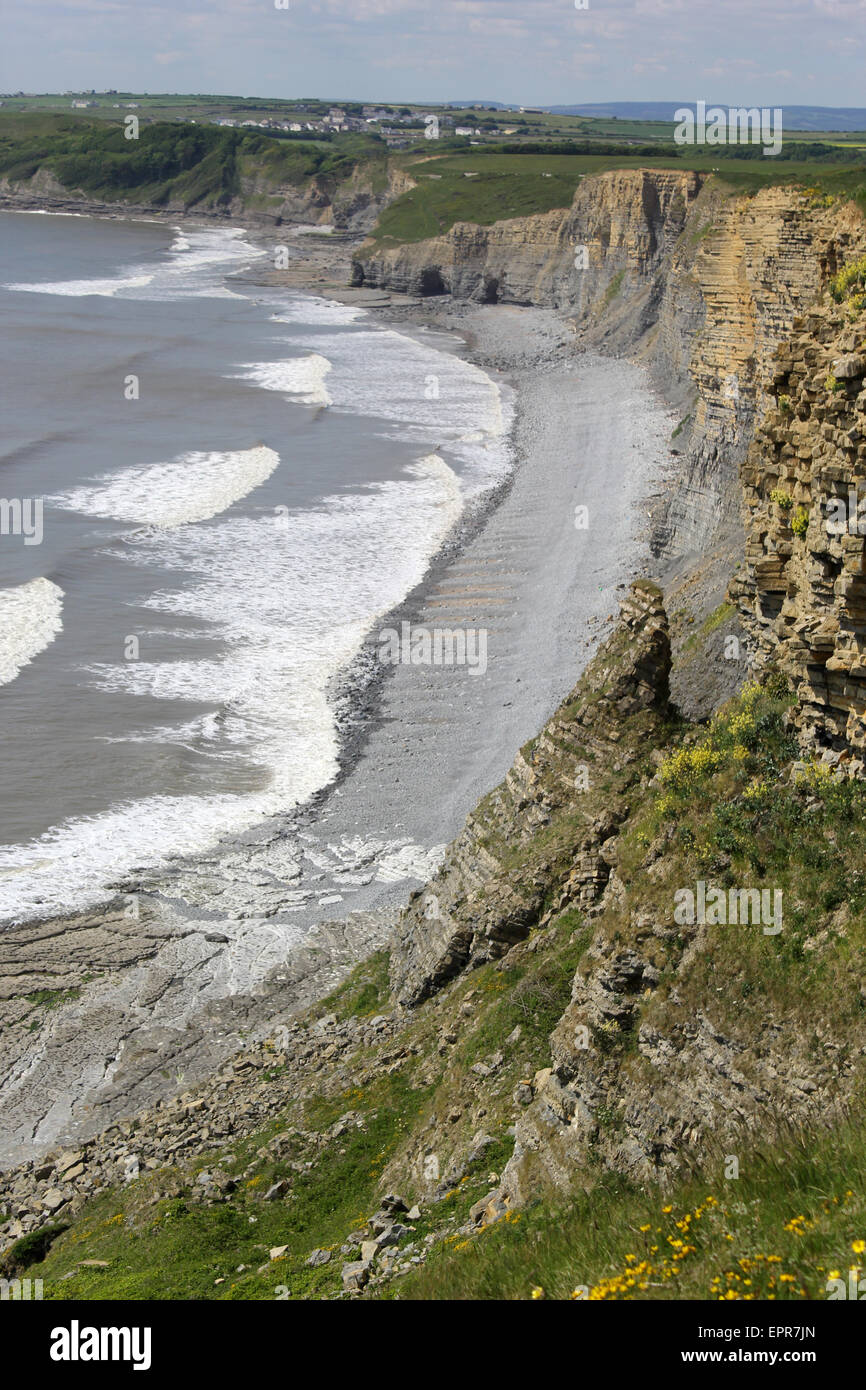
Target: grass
(779, 1231)
(727, 811)
(364, 993)
(155, 1242)
(182, 159)
(711, 624)
(531, 995)
(173, 1248)
(509, 184)
(505, 186)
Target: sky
(530, 52)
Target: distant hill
(795, 117)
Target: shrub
(852, 277)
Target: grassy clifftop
(196, 166)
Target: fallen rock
(277, 1190)
(356, 1275)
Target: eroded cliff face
(644, 1068)
(802, 590)
(674, 1041)
(542, 838)
(739, 275)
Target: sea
(210, 493)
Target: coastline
(218, 947)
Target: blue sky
(529, 51)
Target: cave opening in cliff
(431, 283)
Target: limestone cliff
(802, 590)
(700, 281)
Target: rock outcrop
(627, 220)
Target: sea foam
(193, 487)
(420, 393)
(31, 616)
(300, 377)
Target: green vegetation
(181, 158)
(469, 188)
(711, 624)
(52, 998)
(173, 163)
(29, 1250)
(729, 810)
(790, 1222)
(849, 279)
(47, 999)
(681, 426)
(152, 1241)
(365, 992)
(154, 1247)
(522, 179)
(530, 995)
(613, 288)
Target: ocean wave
(292, 597)
(194, 266)
(31, 616)
(78, 288)
(309, 309)
(194, 487)
(301, 377)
